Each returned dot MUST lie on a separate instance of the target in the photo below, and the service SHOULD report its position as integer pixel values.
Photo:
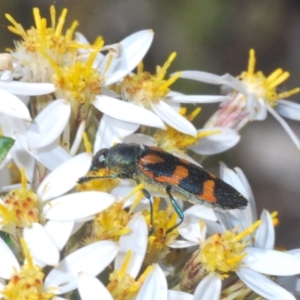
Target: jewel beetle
(162, 172)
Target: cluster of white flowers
(59, 93)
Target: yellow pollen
(145, 88)
(23, 179)
(275, 220)
(104, 185)
(206, 133)
(194, 114)
(264, 87)
(124, 287)
(19, 208)
(125, 265)
(26, 283)
(177, 142)
(78, 83)
(87, 144)
(158, 241)
(220, 253)
(251, 62)
(27, 254)
(140, 68)
(247, 231)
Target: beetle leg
(177, 209)
(147, 195)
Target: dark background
(213, 36)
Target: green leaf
(5, 145)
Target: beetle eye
(99, 159)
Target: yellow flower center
(177, 142)
(19, 208)
(27, 283)
(265, 87)
(111, 223)
(43, 40)
(158, 241)
(78, 83)
(144, 88)
(122, 286)
(223, 253)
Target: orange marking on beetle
(151, 159)
(180, 173)
(208, 191)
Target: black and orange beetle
(162, 172)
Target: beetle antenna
(89, 178)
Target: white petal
(127, 112)
(90, 288)
(136, 241)
(11, 105)
(174, 119)
(8, 261)
(65, 177)
(198, 98)
(180, 244)
(112, 131)
(139, 138)
(237, 217)
(252, 215)
(27, 88)
(201, 76)
(263, 286)
(285, 126)
(209, 288)
(272, 262)
(234, 83)
(10, 125)
(177, 295)
(216, 143)
(23, 160)
(78, 137)
(133, 49)
(80, 38)
(291, 283)
(78, 205)
(231, 219)
(256, 107)
(155, 286)
(48, 124)
(230, 177)
(265, 234)
(295, 252)
(42, 247)
(288, 109)
(50, 156)
(60, 231)
(91, 259)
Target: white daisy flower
(24, 209)
(79, 77)
(151, 92)
(121, 282)
(252, 97)
(250, 257)
(91, 259)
